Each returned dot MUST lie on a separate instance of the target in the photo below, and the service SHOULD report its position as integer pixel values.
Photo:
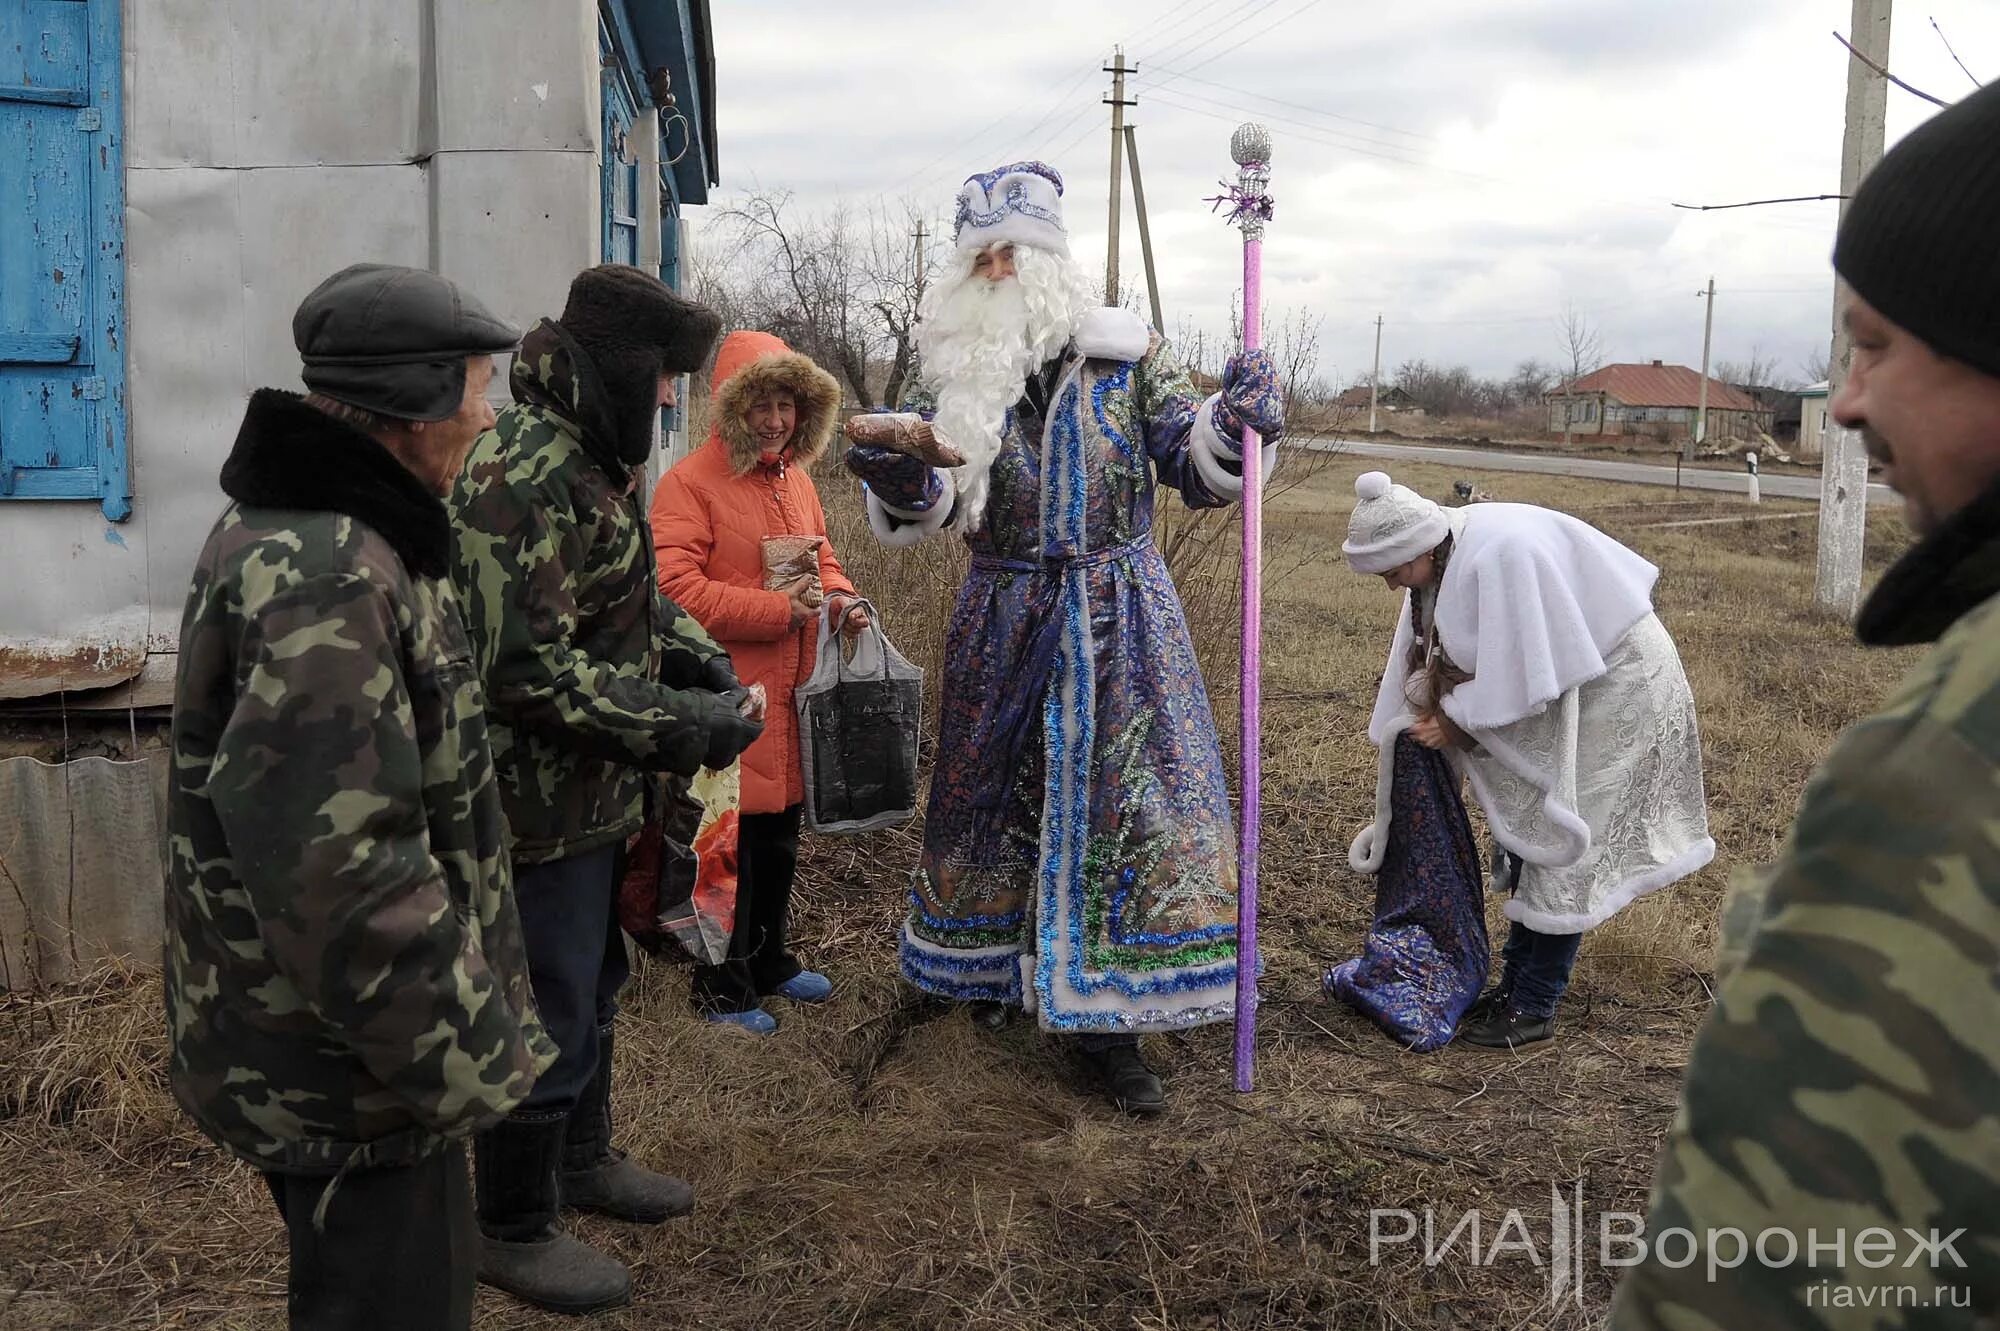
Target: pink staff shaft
(1253, 647)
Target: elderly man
(593, 679)
(1078, 852)
(347, 995)
(1838, 1144)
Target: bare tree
(1581, 349)
(1759, 371)
(1197, 543)
(1817, 366)
(1530, 380)
(898, 275)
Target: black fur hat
(635, 328)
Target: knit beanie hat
(635, 328)
(1921, 239)
(1392, 524)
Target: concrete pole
(1145, 231)
(1117, 69)
(1843, 475)
(1375, 376)
(1701, 401)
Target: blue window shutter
(618, 157)
(62, 254)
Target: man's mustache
(1877, 446)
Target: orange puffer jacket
(710, 517)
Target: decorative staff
(1250, 208)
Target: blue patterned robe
(1079, 853)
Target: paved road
(1641, 473)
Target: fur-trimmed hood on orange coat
(710, 517)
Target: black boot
(1125, 1079)
(1507, 1029)
(598, 1177)
(520, 1250)
(1491, 1003)
(988, 1015)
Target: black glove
(729, 731)
(718, 675)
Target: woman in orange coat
(773, 412)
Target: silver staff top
(1250, 143)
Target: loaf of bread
(903, 432)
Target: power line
(1322, 136)
(964, 144)
(1341, 135)
(1255, 35)
(1166, 20)
(1311, 135)
(1301, 106)
(1189, 40)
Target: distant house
(1390, 399)
(1813, 419)
(1784, 406)
(1652, 399)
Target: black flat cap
(395, 340)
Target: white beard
(980, 341)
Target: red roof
(1657, 385)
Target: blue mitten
(1252, 395)
(897, 479)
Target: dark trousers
(1534, 969)
(398, 1248)
(576, 962)
(767, 860)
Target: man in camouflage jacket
(347, 995)
(593, 680)
(1836, 1158)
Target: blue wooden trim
(665, 32)
(51, 483)
(625, 47)
(38, 348)
(107, 76)
(14, 92)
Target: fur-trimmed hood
(751, 364)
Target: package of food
(903, 432)
(790, 561)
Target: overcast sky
(1461, 167)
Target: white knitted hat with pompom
(1392, 524)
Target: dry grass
(879, 1164)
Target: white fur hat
(1392, 524)
(1020, 203)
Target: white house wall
(269, 145)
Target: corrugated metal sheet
(80, 857)
(1660, 386)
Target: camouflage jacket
(584, 660)
(1846, 1086)
(345, 979)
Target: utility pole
(1118, 69)
(1701, 400)
(1843, 476)
(1375, 376)
(1145, 231)
(920, 255)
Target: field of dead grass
(880, 1163)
